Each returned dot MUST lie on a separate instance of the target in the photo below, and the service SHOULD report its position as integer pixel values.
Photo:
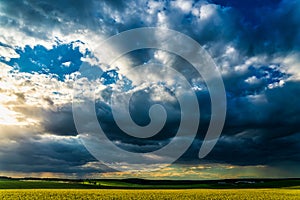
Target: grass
(64, 194)
(33, 184)
(141, 184)
(192, 185)
(40, 189)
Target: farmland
(28, 188)
(54, 194)
(30, 183)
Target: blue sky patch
(61, 60)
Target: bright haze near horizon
(254, 44)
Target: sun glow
(8, 117)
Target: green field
(33, 184)
(143, 184)
(146, 184)
(148, 189)
(9, 183)
(60, 194)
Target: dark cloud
(259, 132)
(35, 17)
(257, 150)
(46, 154)
(59, 122)
(247, 5)
(275, 107)
(253, 80)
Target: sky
(47, 46)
